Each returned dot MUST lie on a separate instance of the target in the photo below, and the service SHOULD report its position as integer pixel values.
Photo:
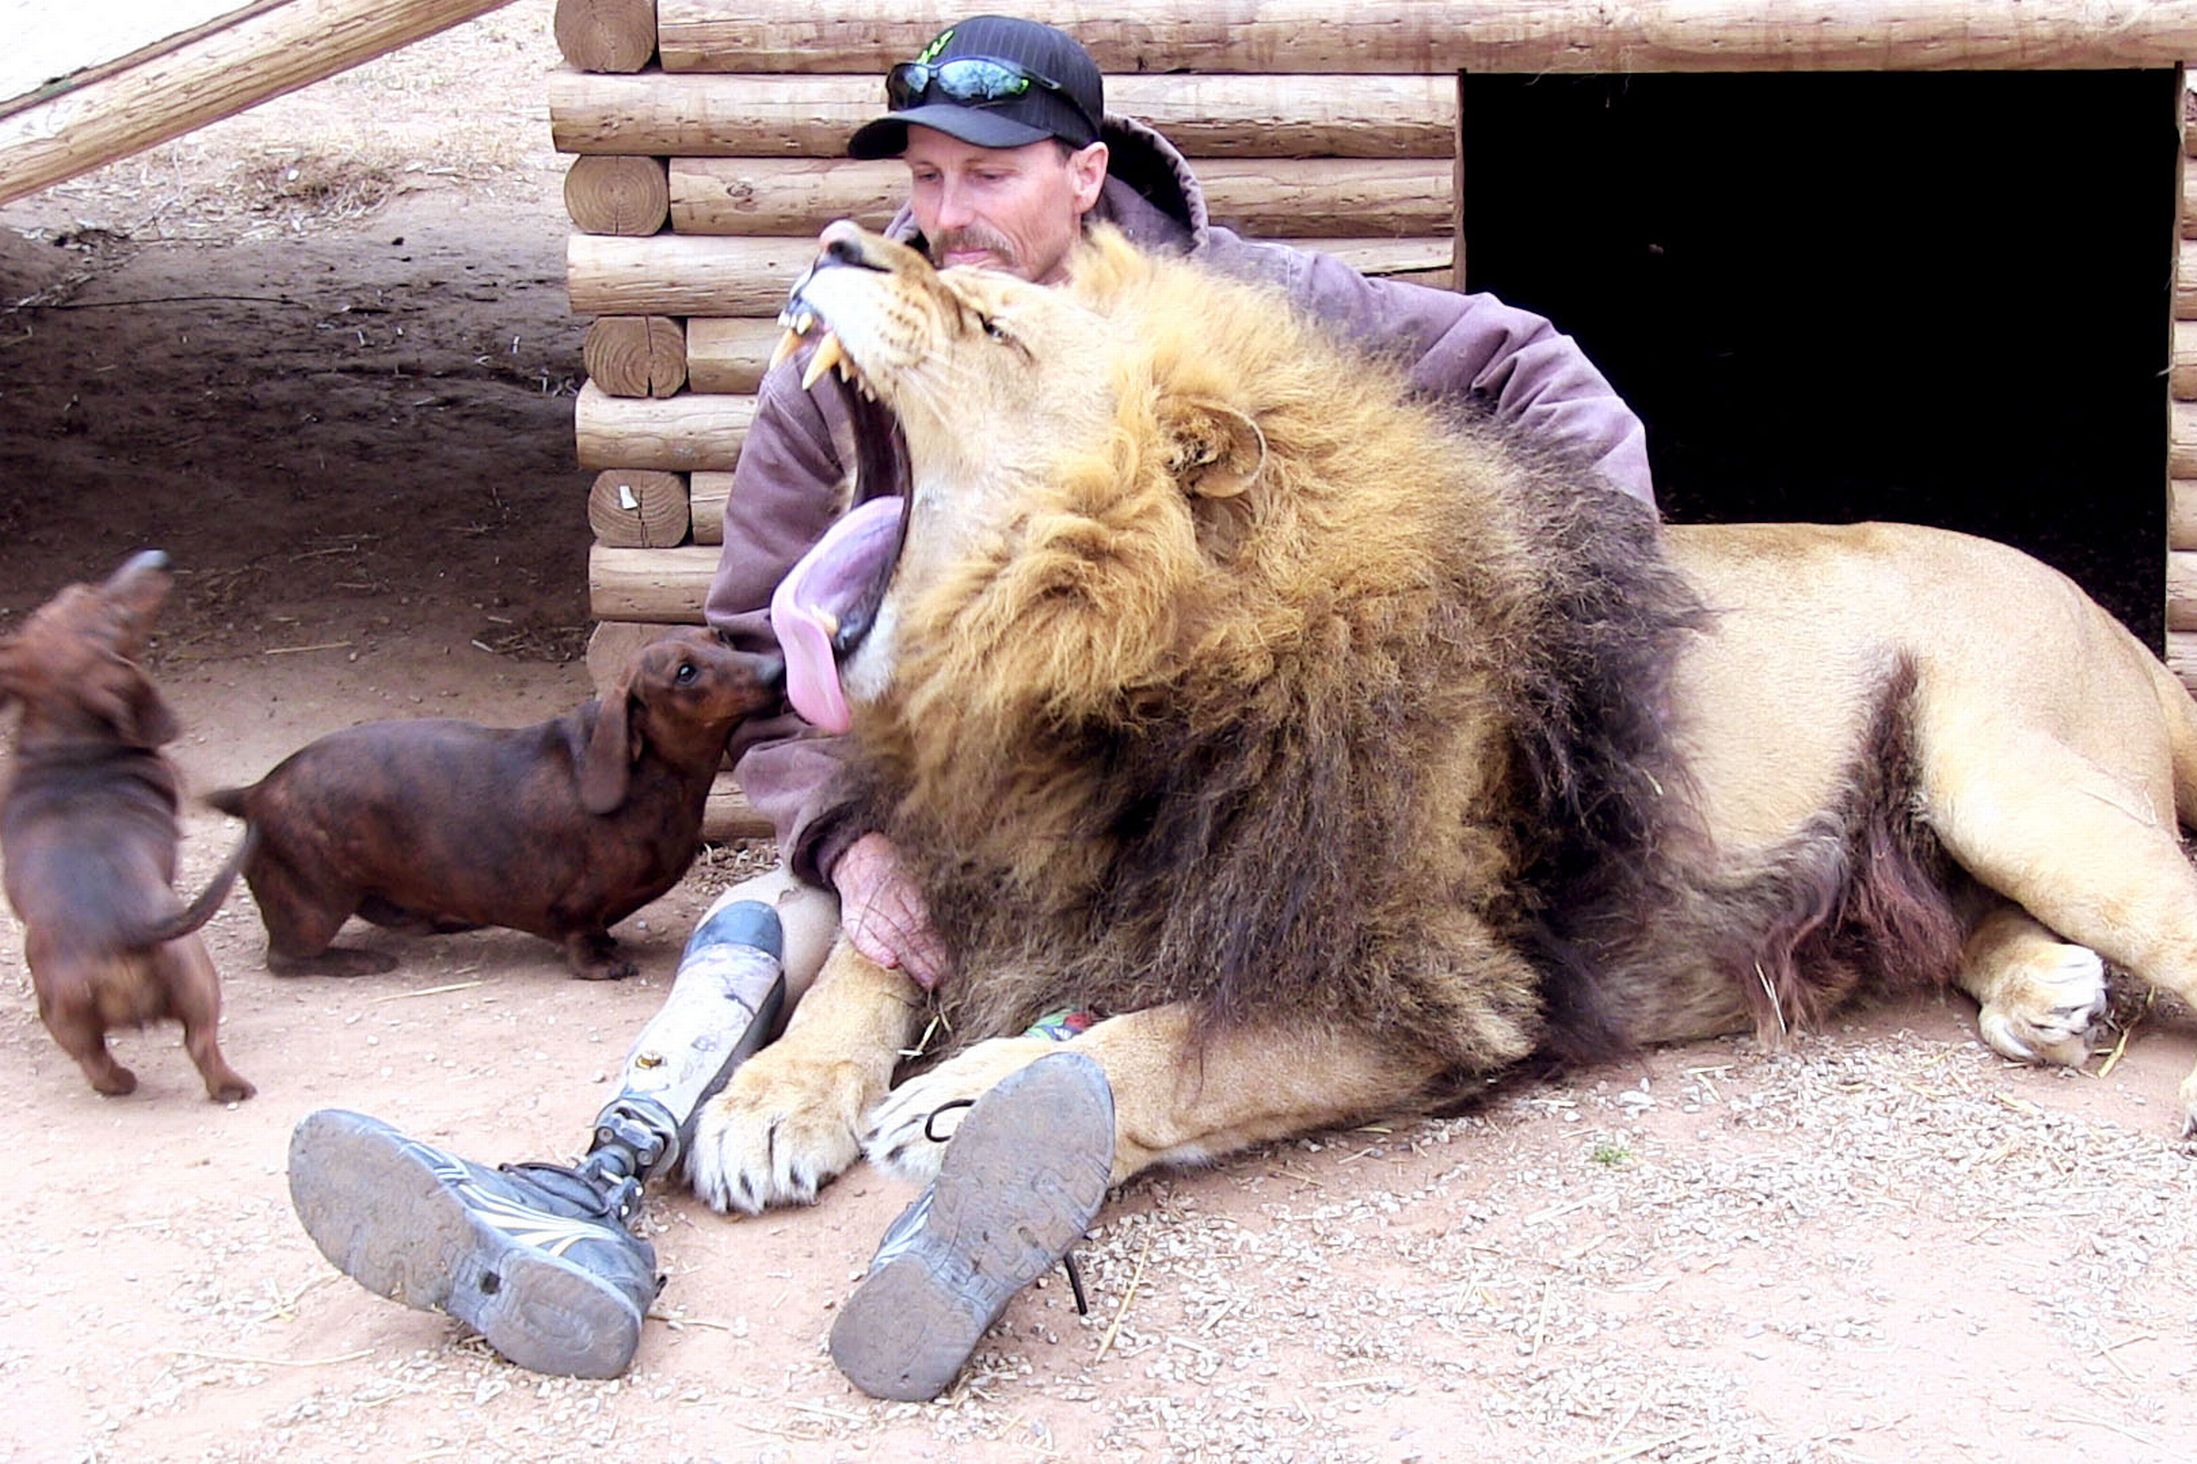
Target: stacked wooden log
(2181, 528)
(710, 150)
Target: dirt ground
(322, 355)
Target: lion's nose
(841, 241)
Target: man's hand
(883, 913)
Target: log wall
(708, 148)
(2181, 528)
(696, 198)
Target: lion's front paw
(901, 1137)
(2044, 1010)
(783, 1126)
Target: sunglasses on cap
(969, 81)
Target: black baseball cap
(1042, 84)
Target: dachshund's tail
(201, 910)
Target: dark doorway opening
(1941, 298)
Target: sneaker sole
(382, 1216)
(1022, 1179)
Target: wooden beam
(782, 195)
(2181, 514)
(612, 645)
(606, 194)
(2181, 590)
(1431, 36)
(693, 274)
(728, 815)
(675, 434)
(606, 35)
(638, 508)
(2182, 378)
(168, 92)
(2181, 458)
(1271, 116)
(1312, 197)
(706, 495)
(637, 355)
(666, 586)
(730, 355)
(2181, 656)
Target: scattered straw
(301, 650)
(239, 1357)
(1634, 1451)
(431, 991)
(2120, 1048)
(1113, 1328)
(2086, 1420)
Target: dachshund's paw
(594, 956)
(784, 1126)
(906, 1135)
(335, 961)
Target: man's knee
(808, 914)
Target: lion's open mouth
(827, 603)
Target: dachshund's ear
(147, 720)
(120, 694)
(607, 764)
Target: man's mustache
(970, 238)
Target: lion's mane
(1381, 737)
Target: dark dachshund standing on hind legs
(89, 833)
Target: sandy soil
(322, 355)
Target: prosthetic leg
(541, 1258)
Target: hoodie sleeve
(1458, 345)
(788, 487)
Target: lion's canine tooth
(829, 621)
(787, 345)
(828, 355)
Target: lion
(1344, 753)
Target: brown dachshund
(561, 829)
(89, 833)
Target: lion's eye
(993, 328)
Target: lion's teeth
(787, 345)
(829, 621)
(804, 321)
(828, 354)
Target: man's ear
(1215, 451)
(1087, 175)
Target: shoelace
(1067, 1258)
(596, 1202)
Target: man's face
(1017, 209)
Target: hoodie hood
(1150, 193)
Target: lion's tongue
(815, 596)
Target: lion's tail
(2180, 711)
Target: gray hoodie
(792, 478)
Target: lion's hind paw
(907, 1133)
(2044, 1013)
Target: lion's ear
(1215, 450)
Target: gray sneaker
(1022, 1179)
(534, 1257)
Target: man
(1010, 156)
